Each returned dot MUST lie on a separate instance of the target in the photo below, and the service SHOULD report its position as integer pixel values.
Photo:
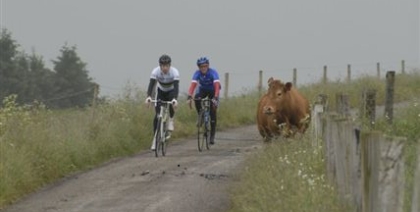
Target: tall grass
(288, 175)
(39, 146)
(273, 180)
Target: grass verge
(39, 146)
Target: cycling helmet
(202, 60)
(164, 60)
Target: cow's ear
(288, 86)
(270, 80)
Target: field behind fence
(367, 166)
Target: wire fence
(236, 82)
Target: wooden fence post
(342, 104)
(95, 100)
(347, 162)
(226, 88)
(391, 174)
(403, 66)
(295, 77)
(368, 110)
(370, 166)
(348, 73)
(324, 79)
(330, 140)
(416, 193)
(317, 111)
(260, 79)
(95, 94)
(389, 96)
(378, 70)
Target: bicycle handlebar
(160, 101)
(202, 99)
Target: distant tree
(40, 81)
(73, 86)
(19, 80)
(9, 79)
(69, 85)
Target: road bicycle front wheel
(163, 142)
(207, 131)
(201, 137)
(158, 138)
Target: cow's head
(276, 92)
(277, 89)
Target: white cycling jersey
(165, 81)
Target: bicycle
(161, 130)
(203, 124)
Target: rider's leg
(170, 125)
(197, 102)
(155, 120)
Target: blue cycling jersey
(206, 81)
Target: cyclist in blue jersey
(167, 79)
(208, 83)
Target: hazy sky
(122, 40)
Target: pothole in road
(214, 176)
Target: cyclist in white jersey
(167, 79)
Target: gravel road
(185, 180)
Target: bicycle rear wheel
(158, 138)
(201, 137)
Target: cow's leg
(265, 133)
(269, 134)
(304, 123)
(286, 129)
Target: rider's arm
(192, 88)
(151, 85)
(216, 85)
(176, 88)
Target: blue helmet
(202, 60)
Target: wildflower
(311, 182)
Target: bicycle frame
(205, 107)
(203, 118)
(160, 134)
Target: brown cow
(269, 124)
(282, 111)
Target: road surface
(185, 180)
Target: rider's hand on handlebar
(148, 100)
(174, 102)
(215, 101)
(189, 101)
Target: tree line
(67, 85)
